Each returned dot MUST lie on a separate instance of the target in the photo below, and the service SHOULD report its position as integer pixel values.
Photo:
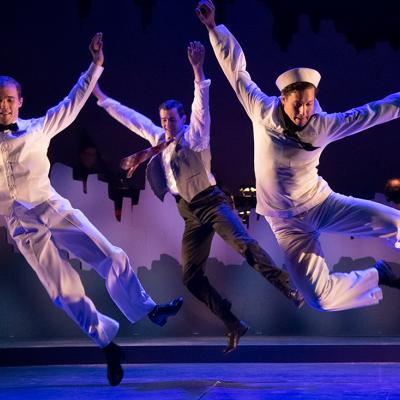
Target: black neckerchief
(290, 130)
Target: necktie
(11, 127)
(131, 162)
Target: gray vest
(187, 167)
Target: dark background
(356, 48)
(44, 45)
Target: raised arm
(205, 11)
(62, 115)
(199, 131)
(233, 63)
(196, 55)
(98, 93)
(128, 117)
(96, 49)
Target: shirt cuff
(202, 84)
(108, 101)
(95, 70)
(218, 33)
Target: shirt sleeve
(198, 135)
(231, 58)
(133, 120)
(340, 125)
(63, 114)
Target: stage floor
(252, 349)
(239, 381)
(261, 368)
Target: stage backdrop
(145, 43)
(150, 233)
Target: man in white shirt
(42, 223)
(290, 133)
(183, 168)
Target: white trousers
(298, 236)
(40, 233)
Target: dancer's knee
(116, 262)
(191, 275)
(319, 303)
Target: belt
(198, 195)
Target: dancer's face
(171, 122)
(299, 105)
(10, 103)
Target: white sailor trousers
(298, 236)
(41, 232)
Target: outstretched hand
(196, 54)
(205, 11)
(96, 49)
(130, 164)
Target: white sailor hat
(298, 75)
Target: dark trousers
(210, 212)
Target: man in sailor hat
(290, 133)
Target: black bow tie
(10, 127)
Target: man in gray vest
(183, 168)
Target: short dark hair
(297, 87)
(170, 104)
(7, 80)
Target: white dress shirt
(197, 133)
(287, 179)
(24, 165)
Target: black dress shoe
(386, 274)
(114, 356)
(296, 297)
(289, 292)
(160, 313)
(234, 335)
